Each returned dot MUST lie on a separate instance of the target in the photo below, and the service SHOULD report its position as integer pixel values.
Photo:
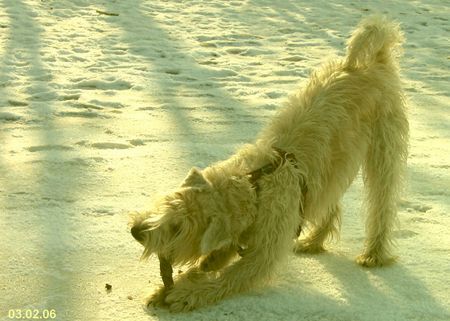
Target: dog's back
(351, 113)
(335, 110)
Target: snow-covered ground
(105, 103)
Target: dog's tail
(376, 40)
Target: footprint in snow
(404, 234)
(43, 148)
(110, 146)
(415, 207)
(115, 84)
(9, 117)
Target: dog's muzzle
(165, 267)
(136, 233)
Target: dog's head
(194, 220)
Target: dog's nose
(136, 232)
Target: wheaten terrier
(234, 221)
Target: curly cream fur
(349, 115)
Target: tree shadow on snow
(46, 200)
(179, 75)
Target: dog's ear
(195, 178)
(216, 236)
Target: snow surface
(105, 103)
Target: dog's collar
(268, 169)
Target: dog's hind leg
(313, 243)
(382, 173)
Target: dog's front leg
(217, 259)
(270, 241)
(197, 288)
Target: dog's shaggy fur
(233, 231)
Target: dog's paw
(305, 246)
(183, 299)
(157, 298)
(371, 260)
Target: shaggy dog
(234, 221)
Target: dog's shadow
(328, 286)
(357, 293)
